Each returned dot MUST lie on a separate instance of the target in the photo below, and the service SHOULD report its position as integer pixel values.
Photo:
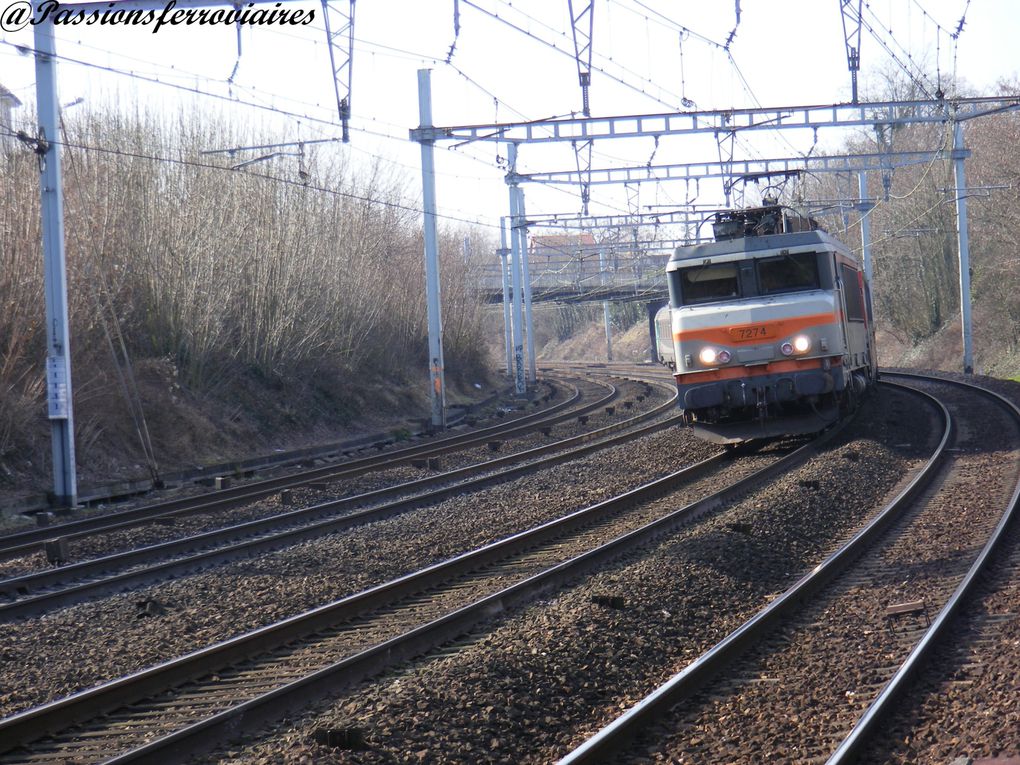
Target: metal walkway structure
(573, 273)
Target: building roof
(561, 243)
(5, 94)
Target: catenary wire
(563, 52)
(195, 91)
(263, 176)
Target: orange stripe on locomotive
(776, 329)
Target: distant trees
(995, 217)
(914, 231)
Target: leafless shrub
(217, 270)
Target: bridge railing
(582, 276)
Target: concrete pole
(520, 384)
(58, 353)
(503, 253)
(605, 308)
(653, 308)
(437, 373)
(963, 244)
(522, 232)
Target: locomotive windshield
(788, 273)
(709, 282)
(772, 274)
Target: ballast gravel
(51, 656)
(179, 527)
(793, 698)
(552, 674)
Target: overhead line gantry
(740, 169)
(580, 131)
(865, 114)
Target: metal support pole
(520, 385)
(58, 353)
(340, 44)
(503, 254)
(963, 242)
(437, 372)
(852, 33)
(522, 232)
(864, 207)
(605, 308)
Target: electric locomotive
(771, 327)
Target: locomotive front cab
(758, 334)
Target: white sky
(790, 52)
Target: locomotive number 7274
(754, 332)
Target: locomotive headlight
(801, 343)
(786, 349)
(711, 357)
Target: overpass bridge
(572, 268)
(581, 272)
(575, 281)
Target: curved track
(29, 541)
(275, 660)
(188, 707)
(37, 592)
(804, 646)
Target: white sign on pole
(56, 385)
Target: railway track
(961, 705)
(449, 600)
(275, 662)
(524, 688)
(809, 678)
(40, 591)
(89, 643)
(29, 541)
